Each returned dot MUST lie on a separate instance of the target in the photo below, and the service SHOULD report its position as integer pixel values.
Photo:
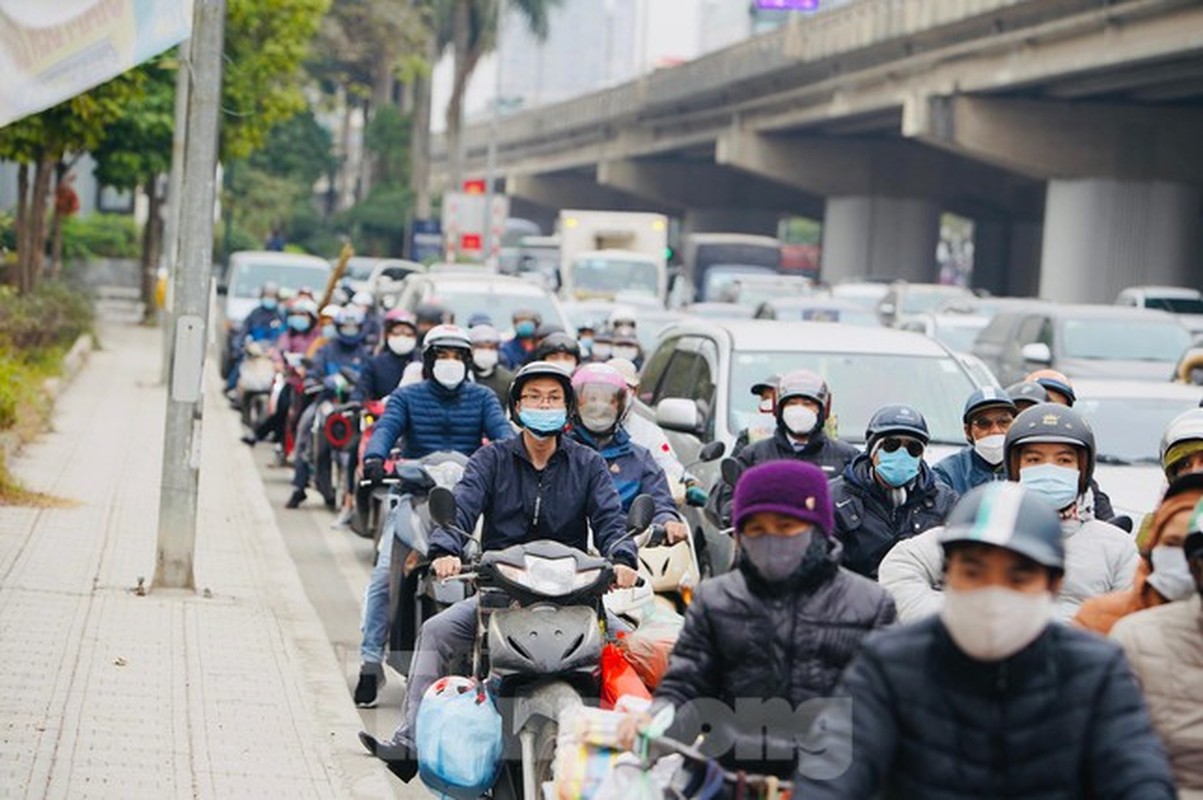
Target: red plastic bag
(647, 651)
(618, 678)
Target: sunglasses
(892, 443)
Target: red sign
(474, 186)
(470, 241)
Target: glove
(373, 469)
(696, 496)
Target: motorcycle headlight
(552, 577)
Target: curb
(73, 362)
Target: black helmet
(441, 337)
(1050, 423)
(430, 314)
(1028, 393)
(987, 397)
(807, 384)
(557, 342)
(1054, 381)
(541, 369)
(896, 419)
(547, 329)
(1008, 516)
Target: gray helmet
(987, 397)
(1182, 437)
(1027, 392)
(1054, 424)
(1009, 516)
(896, 419)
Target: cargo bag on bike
(459, 738)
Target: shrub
(100, 236)
(52, 316)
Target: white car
(1186, 303)
(465, 293)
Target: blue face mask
(329, 330)
(269, 303)
(524, 329)
(897, 468)
(299, 323)
(543, 422)
(1057, 485)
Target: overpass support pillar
(880, 237)
(1101, 235)
(1006, 257)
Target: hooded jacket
(869, 524)
(965, 469)
(634, 472)
(1164, 645)
(1061, 719)
(430, 417)
(1099, 614)
(1099, 558)
(830, 455)
(381, 375)
(746, 641)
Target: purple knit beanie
(788, 487)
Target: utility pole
(171, 239)
(190, 284)
(491, 152)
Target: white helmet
(1182, 437)
(622, 315)
(364, 299)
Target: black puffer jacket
(868, 524)
(1063, 718)
(745, 640)
(829, 455)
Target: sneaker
(396, 756)
(298, 497)
(249, 440)
(371, 680)
(331, 502)
(343, 519)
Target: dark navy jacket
(634, 472)
(512, 355)
(965, 469)
(381, 375)
(867, 522)
(334, 355)
(1063, 718)
(572, 494)
(430, 417)
(260, 325)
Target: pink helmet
(397, 316)
(602, 398)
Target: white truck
(607, 253)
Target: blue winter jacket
(634, 472)
(965, 469)
(512, 355)
(429, 418)
(572, 494)
(260, 325)
(334, 355)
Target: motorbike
(370, 499)
(255, 377)
(291, 382)
(684, 564)
(540, 632)
(329, 460)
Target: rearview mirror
(1037, 353)
(712, 451)
(223, 289)
(678, 414)
(643, 508)
(730, 470)
(442, 506)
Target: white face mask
(450, 372)
(799, 419)
(599, 420)
(1171, 576)
(402, 345)
(766, 406)
(485, 360)
(995, 623)
(990, 448)
(629, 353)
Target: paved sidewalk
(233, 691)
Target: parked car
(903, 299)
(864, 293)
(248, 271)
(1128, 418)
(1186, 303)
(818, 308)
(1083, 341)
(695, 385)
(465, 293)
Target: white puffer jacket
(1099, 558)
(1165, 648)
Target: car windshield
(917, 301)
(612, 275)
(821, 313)
(249, 278)
(1176, 305)
(500, 306)
(860, 384)
(721, 276)
(958, 336)
(1128, 429)
(1126, 340)
(759, 289)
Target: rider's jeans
(374, 625)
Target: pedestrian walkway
(232, 691)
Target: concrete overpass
(1070, 131)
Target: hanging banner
(52, 50)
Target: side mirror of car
(223, 289)
(678, 414)
(1037, 353)
(442, 506)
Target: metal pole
(491, 152)
(182, 439)
(174, 187)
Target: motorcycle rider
(764, 421)
(987, 416)
(750, 634)
(1050, 450)
(538, 485)
(1026, 394)
(989, 698)
(558, 348)
(803, 404)
(299, 334)
(429, 315)
(445, 411)
(517, 350)
(602, 403)
(262, 324)
(1182, 445)
(371, 322)
(486, 357)
(325, 328)
(345, 353)
(383, 371)
(888, 493)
